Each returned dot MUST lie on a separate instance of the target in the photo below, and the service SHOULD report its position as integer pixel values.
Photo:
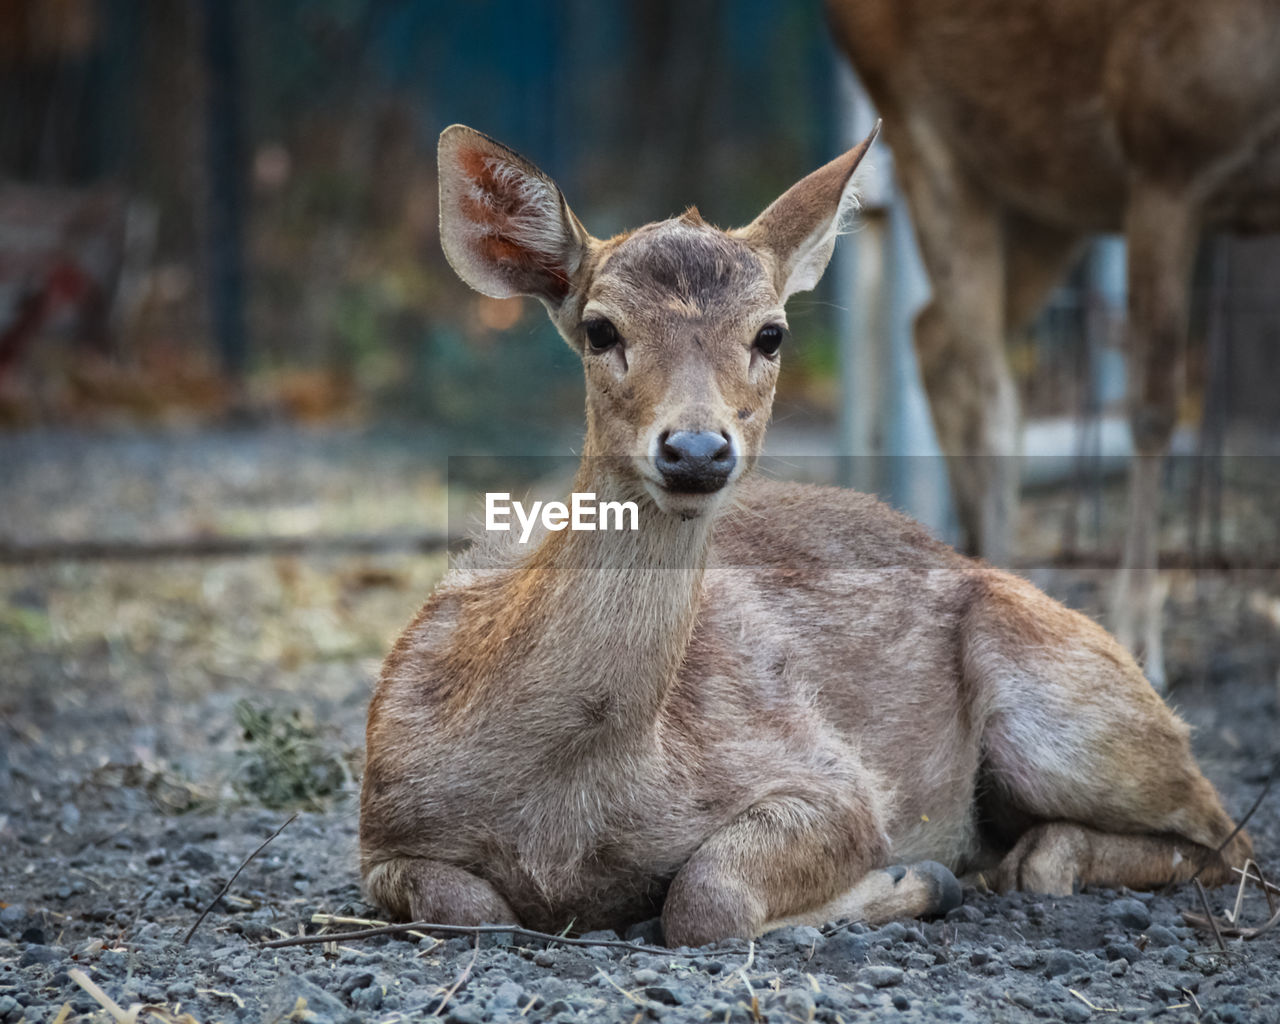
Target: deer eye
(601, 334)
(769, 339)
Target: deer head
(678, 324)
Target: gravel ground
(135, 779)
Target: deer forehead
(682, 271)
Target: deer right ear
(504, 225)
(800, 227)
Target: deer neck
(616, 611)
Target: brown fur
(744, 713)
(1020, 128)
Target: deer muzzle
(695, 461)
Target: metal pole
(225, 166)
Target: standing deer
(1017, 130)
(746, 712)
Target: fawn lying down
(745, 712)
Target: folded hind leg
(1059, 856)
(1074, 733)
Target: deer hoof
(942, 891)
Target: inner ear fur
(504, 225)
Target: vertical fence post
(886, 431)
(225, 182)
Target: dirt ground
(160, 719)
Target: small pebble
(881, 975)
(38, 954)
(464, 1013)
(670, 994)
(1061, 962)
(1129, 913)
(798, 1003)
(1174, 956)
(1123, 951)
(369, 998)
(506, 996)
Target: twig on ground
(644, 1004)
(1233, 915)
(754, 1006)
(366, 922)
(458, 983)
(1093, 1006)
(243, 864)
(1267, 887)
(1257, 802)
(118, 1012)
(1230, 931)
(477, 929)
(1213, 922)
(221, 994)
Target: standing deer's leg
(1072, 733)
(974, 407)
(416, 889)
(1037, 256)
(960, 338)
(784, 860)
(986, 489)
(1162, 231)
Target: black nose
(695, 461)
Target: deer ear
(504, 225)
(799, 228)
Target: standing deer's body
(743, 712)
(1017, 130)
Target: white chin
(686, 506)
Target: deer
(771, 704)
(1017, 131)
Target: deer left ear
(504, 225)
(799, 228)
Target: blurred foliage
(638, 109)
(286, 759)
(632, 111)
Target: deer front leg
(416, 889)
(784, 861)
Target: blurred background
(215, 209)
(227, 329)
